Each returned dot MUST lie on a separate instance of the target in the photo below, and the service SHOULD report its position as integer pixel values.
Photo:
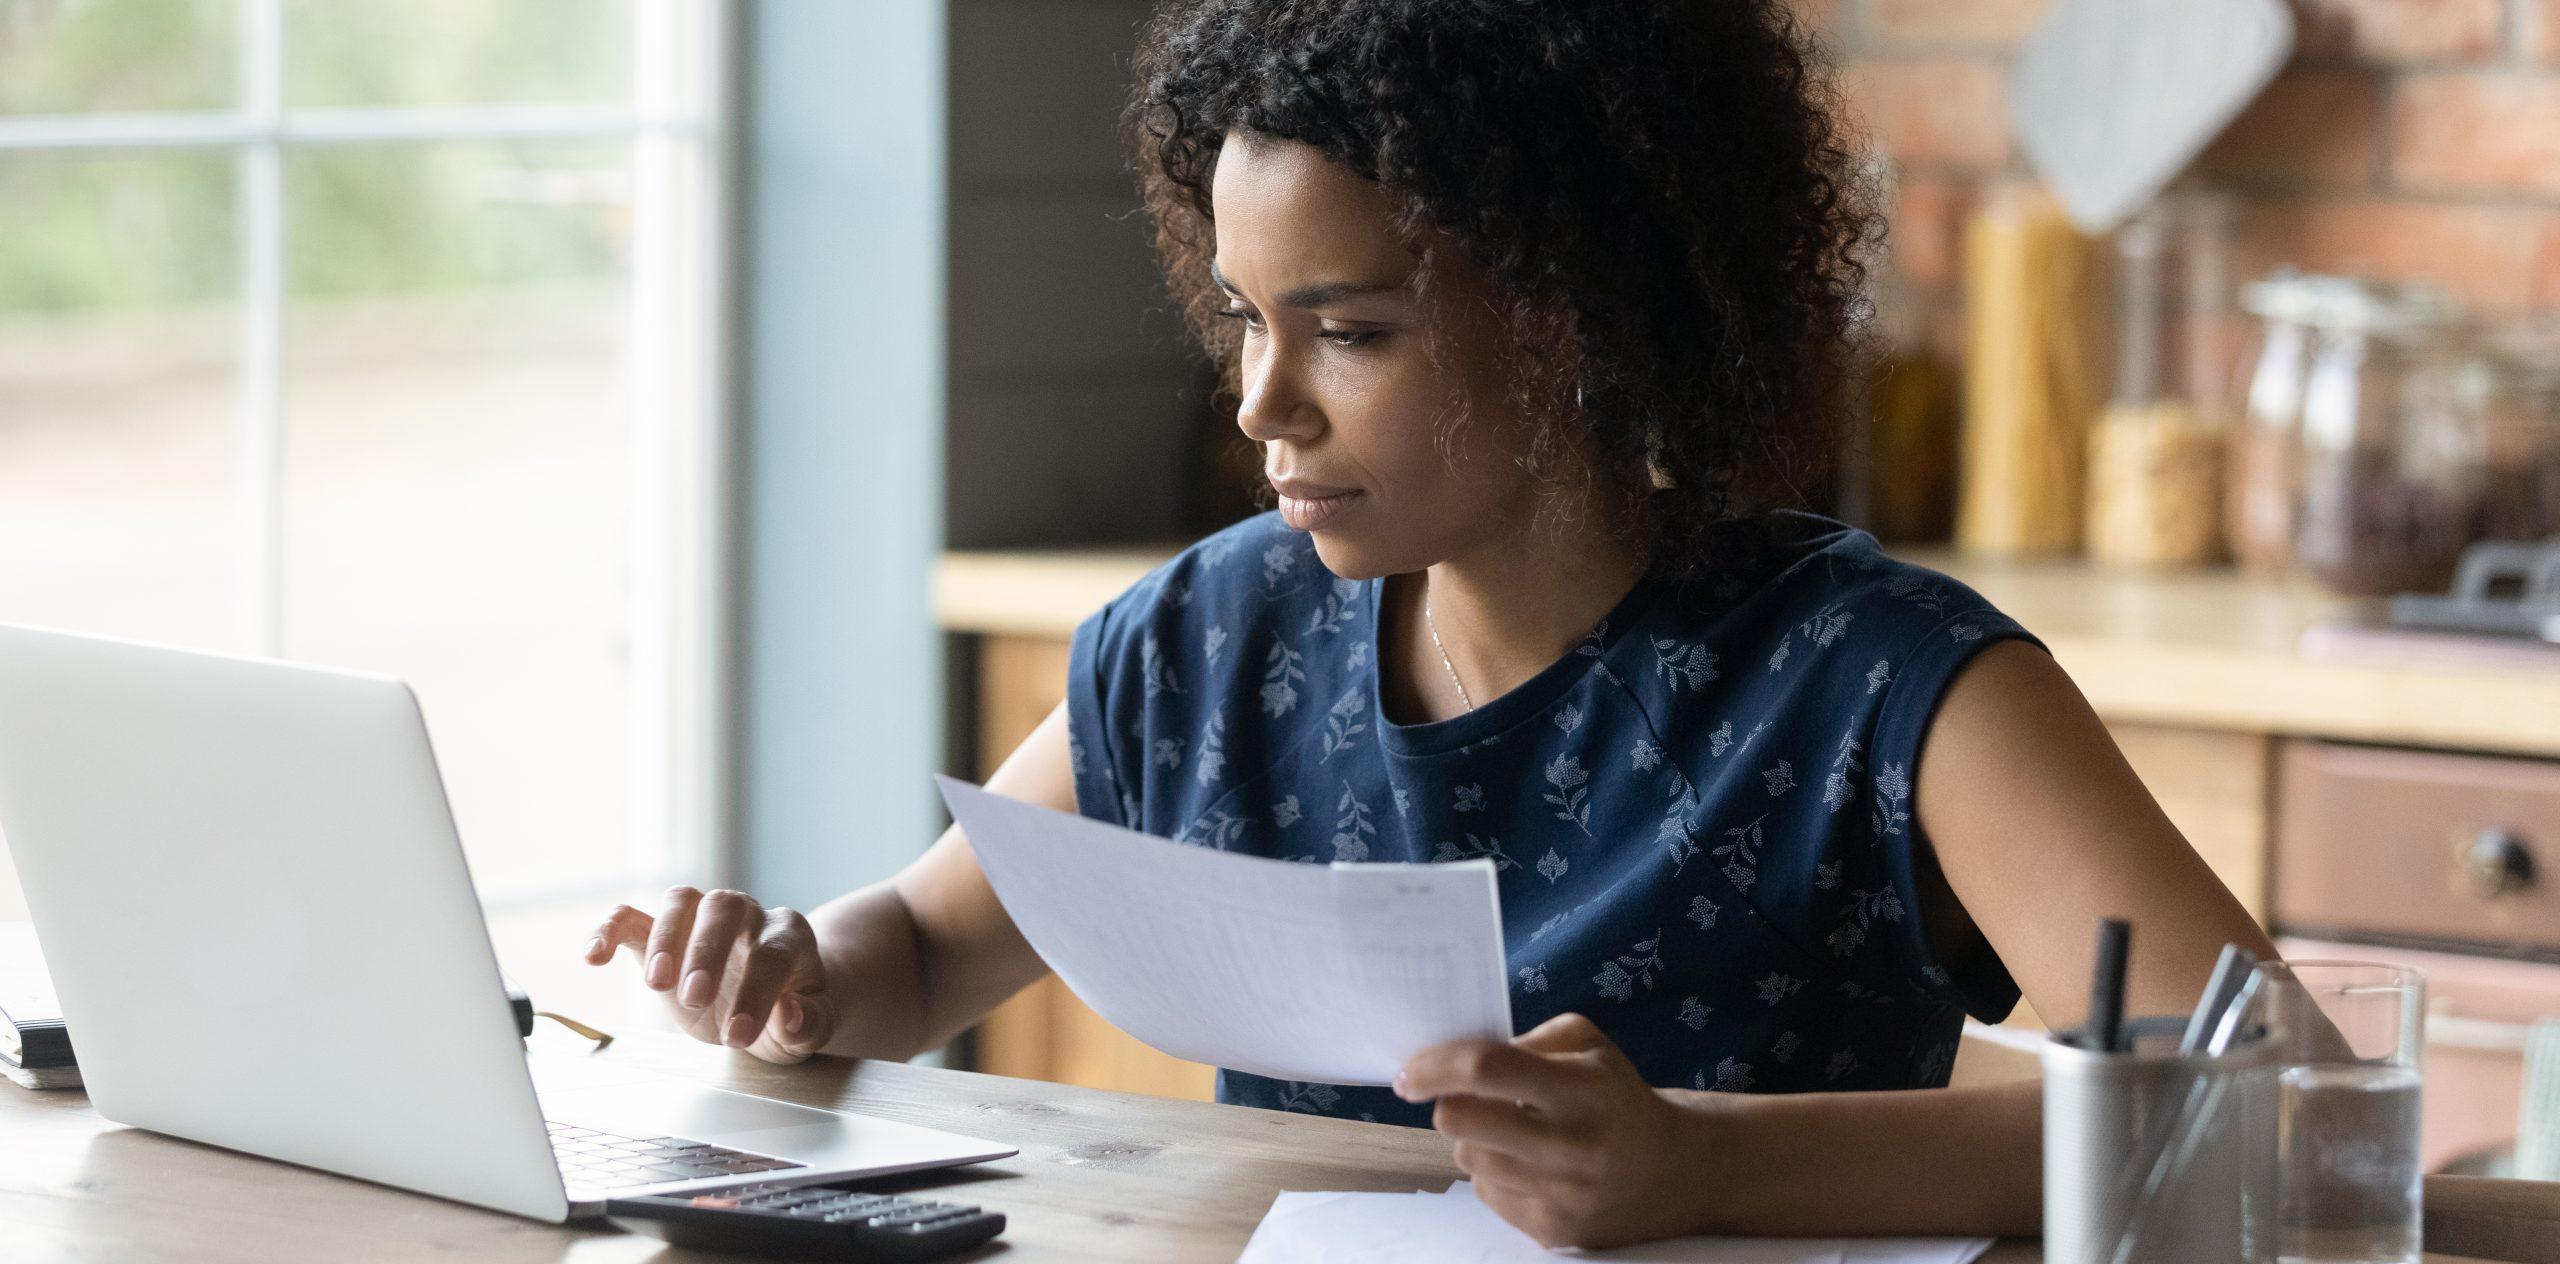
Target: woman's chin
(1351, 558)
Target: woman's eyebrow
(1311, 297)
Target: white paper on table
(1457, 1228)
(1330, 974)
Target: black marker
(2106, 987)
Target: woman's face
(1336, 385)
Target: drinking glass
(2347, 1122)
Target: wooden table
(1101, 1177)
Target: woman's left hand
(1561, 1135)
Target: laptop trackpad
(674, 1109)
(816, 1138)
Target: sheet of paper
(1333, 974)
(1455, 1228)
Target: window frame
(680, 124)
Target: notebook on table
(35, 1049)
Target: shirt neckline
(1526, 700)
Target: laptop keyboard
(593, 1159)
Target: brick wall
(2409, 138)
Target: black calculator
(809, 1222)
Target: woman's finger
(773, 962)
(1485, 1123)
(624, 927)
(1564, 1033)
(719, 920)
(667, 938)
(1484, 1068)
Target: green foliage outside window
(97, 232)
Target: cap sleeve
(1096, 689)
(1910, 704)
(1151, 675)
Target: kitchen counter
(2209, 650)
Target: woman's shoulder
(1819, 629)
(1810, 580)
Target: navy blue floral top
(1701, 817)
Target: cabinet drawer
(2457, 849)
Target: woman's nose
(1272, 407)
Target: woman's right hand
(733, 971)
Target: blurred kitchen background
(723, 412)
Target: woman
(1538, 311)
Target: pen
(2106, 986)
(2228, 973)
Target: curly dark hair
(1670, 215)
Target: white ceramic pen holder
(2108, 1119)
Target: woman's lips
(1311, 512)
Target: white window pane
(118, 399)
(457, 506)
(83, 56)
(457, 52)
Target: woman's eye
(1352, 337)
(1250, 320)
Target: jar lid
(2360, 304)
(2308, 298)
(2279, 295)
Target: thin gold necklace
(1434, 626)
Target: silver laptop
(247, 883)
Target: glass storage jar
(2157, 452)
(2393, 471)
(2263, 489)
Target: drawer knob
(2497, 863)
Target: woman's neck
(1506, 610)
